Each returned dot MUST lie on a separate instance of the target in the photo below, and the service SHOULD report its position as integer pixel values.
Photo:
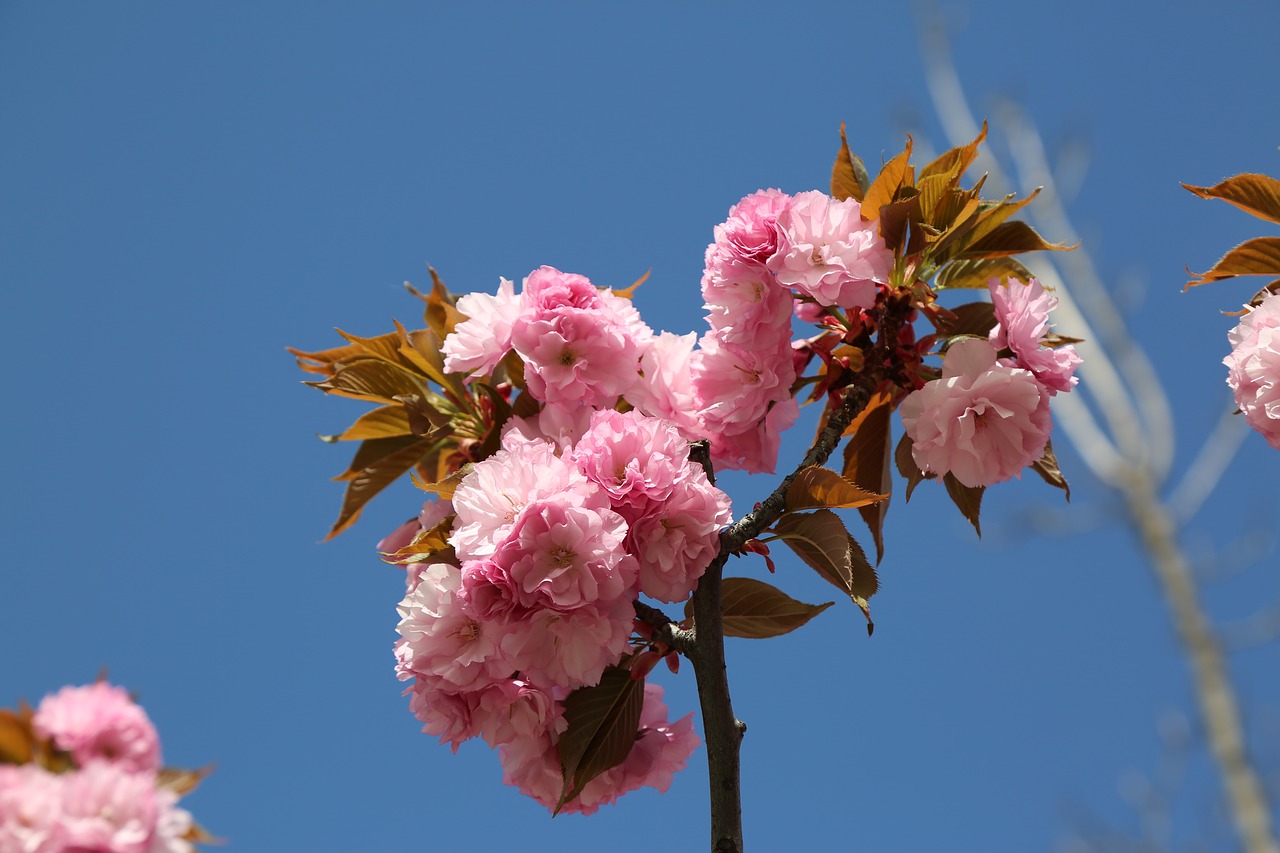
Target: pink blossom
(517, 709)
(563, 557)
(755, 449)
(750, 235)
(562, 425)
(99, 722)
(173, 824)
(547, 290)
(1253, 368)
(826, 251)
(444, 713)
(478, 343)
(665, 387)
(1022, 322)
(107, 808)
(636, 459)
(441, 640)
(982, 421)
(577, 357)
(744, 302)
(31, 810)
(736, 384)
(677, 539)
(489, 498)
(552, 648)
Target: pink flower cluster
(1253, 368)
(554, 543)
(987, 418)
(110, 801)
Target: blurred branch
(1125, 437)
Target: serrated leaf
(756, 610)
(376, 476)
(956, 161)
(893, 175)
(816, 487)
(17, 739)
(972, 318)
(382, 422)
(977, 273)
(1258, 195)
(968, 499)
(1047, 467)
(1009, 238)
(602, 723)
(866, 461)
(373, 449)
(907, 466)
(371, 380)
(1259, 256)
(849, 179)
(324, 361)
(821, 540)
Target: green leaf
(1255, 194)
(977, 273)
(755, 610)
(849, 179)
(1047, 467)
(866, 461)
(1259, 256)
(968, 499)
(816, 487)
(602, 725)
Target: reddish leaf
(1009, 238)
(372, 380)
(968, 499)
(907, 465)
(375, 477)
(1255, 194)
(893, 175)
(17, 739)
(849, 179)
(977, 273)
(972, 318)
(602, 725)
(1259, 256)
(821, 488)
(630, 291)
(755, 610)
(1047, 467)
(383, 422)
(866, 461)
(822, 542)
(181, 782)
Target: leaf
(849, 179)
(892, 176)
(907, 466)
(821, 540)
(17, 739)
(866, 461)
(425, 545)
(968, 499)
(372, 380)
(382, 422)
(373, 449)
(444, 489)
(179, 781)
(865, 582)
(1009, 238)
(756, 610)
(1258, 195)
(894, 218)
(972, 318)
(977, 273)
(440, 315)
(1047, 467)
(1259, 256)
(602, 724)
(629, 292)
(954, 162)
(816, 487)
(375, 477)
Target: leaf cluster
(1259, 196)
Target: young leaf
(376, 476)
(866, 461)
(383, 422)
(602, 725)
(971, 318)
(821, 488)
(630, 291)
(979, 272)
(324, 361)
(1259, 256)
(907, 465)
(371, 380)
(1255, 194)
(849, 179)
(755, 610)
(893, 175)
(1047, 467)
(17, 739)
(822, 542)
(865, 582)
(968, 499)
(179, 781)
(1009, 238)
(953, 163)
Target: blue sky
(186, 189)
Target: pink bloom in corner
(982, 421)
(826, 251)
(750, 235)
(1022, 322)
(31, 810)
(106, 808)
(99, 722)
(1253, 368)
(479, 342)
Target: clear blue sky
(186, 189)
